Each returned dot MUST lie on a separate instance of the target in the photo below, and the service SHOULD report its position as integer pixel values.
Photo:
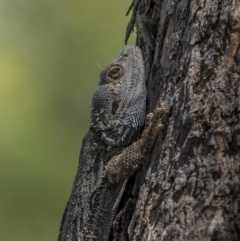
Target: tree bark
(189, 185)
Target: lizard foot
(152, 127)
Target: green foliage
(51, 53)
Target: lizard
(113, 148)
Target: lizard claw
(153, 118)
(152, 127)
(148, 119)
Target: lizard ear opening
(114, 107)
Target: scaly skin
(111, 151)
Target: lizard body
(111, 150)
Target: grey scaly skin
(112, 150)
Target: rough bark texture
(189, 186)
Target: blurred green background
(51, 54)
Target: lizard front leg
(122, 166)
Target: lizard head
(118, 105)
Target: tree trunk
(189, 185)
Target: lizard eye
(115, 72)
